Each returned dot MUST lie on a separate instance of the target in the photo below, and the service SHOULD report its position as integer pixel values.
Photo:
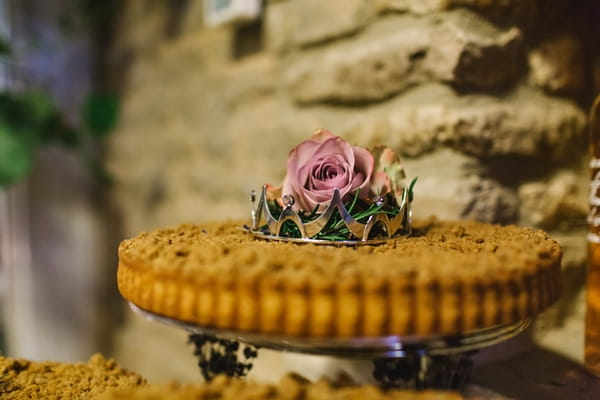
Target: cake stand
(418, 362)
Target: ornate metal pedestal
(402, 362)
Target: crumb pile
(102, 379)
(291, 387)
(23, 379)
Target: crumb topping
(442, 248)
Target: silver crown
(265, 226)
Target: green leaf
(100, 113)
(16, 154)
(410, 188)
(4, 47)
(56, 130)
(26, 114)
(36, 107)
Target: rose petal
(338, 181)
(387, 157)
(297, 174)
(332, 171)
(311, 199)
(358, 181)
(320, 135)
(323, 197)
(303, 177)
(336, 145)
(324, 162)
(364, 164)
(380, 183)
(301, 154)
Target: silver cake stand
(439, 361)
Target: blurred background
(118, 117)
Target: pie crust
(446, 278)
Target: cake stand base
(422, 371)
(416, 362)
(222, 356)
(415, 371)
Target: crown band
(398, 224)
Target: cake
(291, 387)
(446, 278)
(51, 380)
(334, 252)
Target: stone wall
(485, 100)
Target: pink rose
(324, 162)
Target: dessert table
(534, 374)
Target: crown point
(288, 200)
(379, 201)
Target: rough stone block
(264, 131)
(559, 203)
(277, 27)
(558, 65)
(512, 8)
(452, 186)
(145, 30)
(411, 6)
(305, 22)
(192, 19)
(525, 123)
(479, 54)
(401, 51)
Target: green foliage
(85, 15)
(16, 155)
(30, 119)
(4, 48)
(19, 118)
(100, 113)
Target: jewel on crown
(334, 193)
